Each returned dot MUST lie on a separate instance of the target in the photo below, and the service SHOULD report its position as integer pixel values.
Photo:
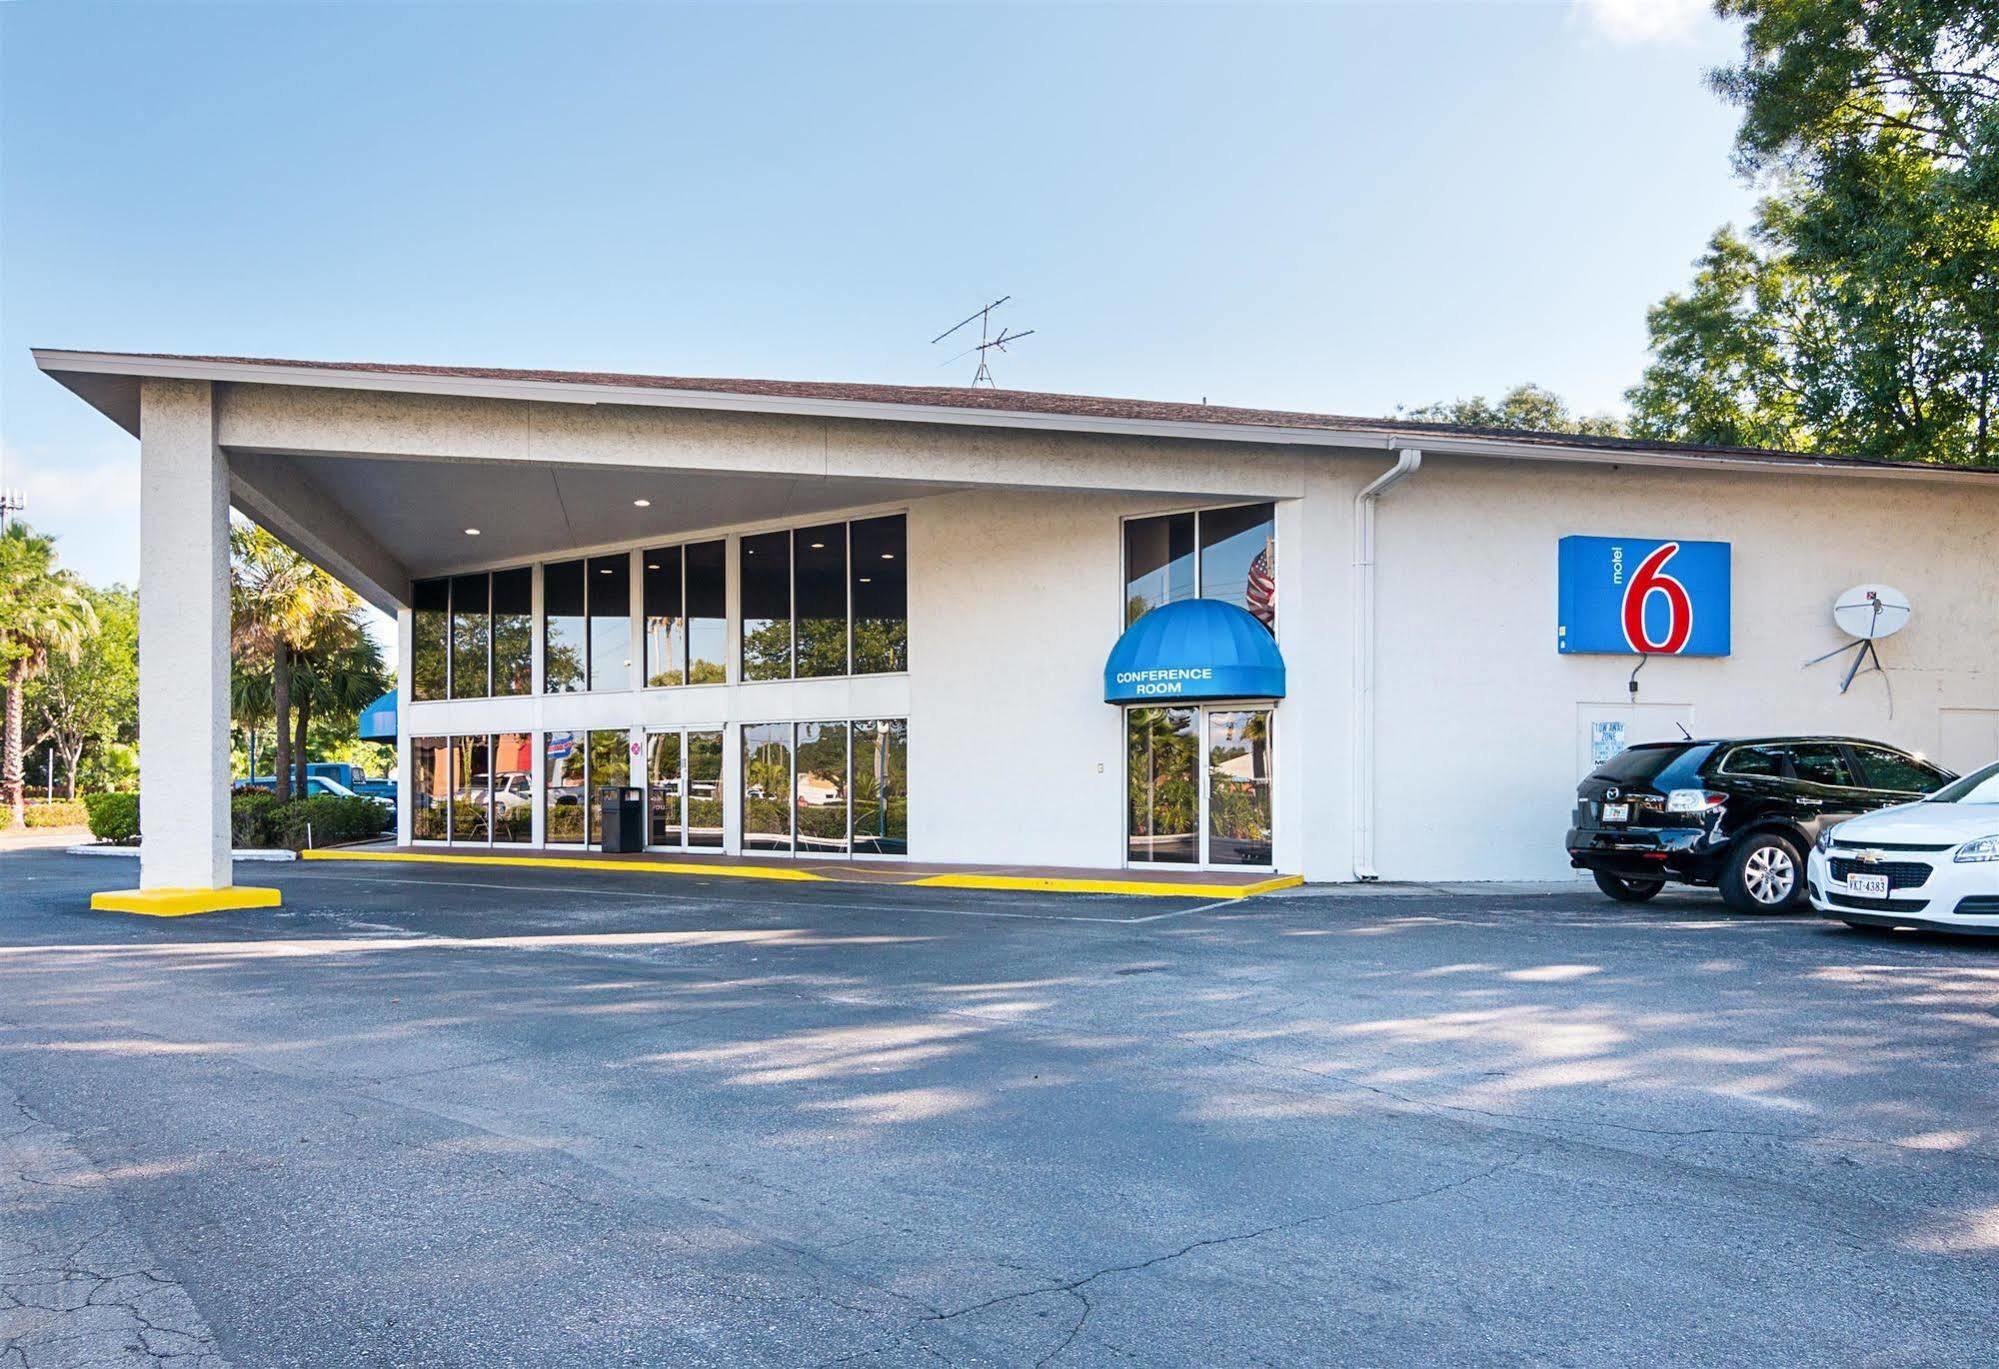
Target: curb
(655, 867)
(241, 853)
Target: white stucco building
(916, 666)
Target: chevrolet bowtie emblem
(1870, 857)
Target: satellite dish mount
(1866, 613)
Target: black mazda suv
(1737, 815)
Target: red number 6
(1649, 579)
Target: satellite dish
(1871, 612)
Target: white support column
(183, 660)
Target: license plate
(1617, 812)
(1868, 886)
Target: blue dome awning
(378, 719)
(1193, 650)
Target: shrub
(250, 819)
(332, 818)
(58, 814)
(113, 817)
(6, 816)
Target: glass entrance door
(1197, 786)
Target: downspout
(1408, 461)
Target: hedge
(59, 814)
(6, 816)
(259, 820)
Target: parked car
(1736, 814)
(314, 785)
(1932, 864)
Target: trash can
(621, 819)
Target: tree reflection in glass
(562, 789)
(821, 788)
(767, 787)
(1161, 771)
(765, 569)
(819, 557)
(610, 768)
(1239, 787)
(564, 649)
(704, 788)
(881, 786)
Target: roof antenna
(986, 343)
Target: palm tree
(278, 602)
(341, 672)
(44, 614)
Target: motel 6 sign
(1642, 596)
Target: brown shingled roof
(1039, 402)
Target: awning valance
(1192, 650)
(378, 719)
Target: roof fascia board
(585, 393)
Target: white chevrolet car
(1932, 864)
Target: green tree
(91, 700)
(335, 675)
(1527, 407)
(279, 602)
(1860, 311)
(45, 615)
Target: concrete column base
(181, 902)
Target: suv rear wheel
(1627, 890)
(1765, 874)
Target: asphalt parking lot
(432, 1116)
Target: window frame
(1124, 548)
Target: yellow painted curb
(1049, 884)
(627, 867)
(182, 902)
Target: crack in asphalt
(1076, 1285)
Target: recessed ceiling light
(642, 503)
(818, 546)
(888, 556)
(471, 532)
(867, 579)
(652, 565)
(603, 570)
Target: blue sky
(1340, 207)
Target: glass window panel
(1820, 763)
(767, 787)
(1239, 787)
(429, 789)
(820, 791)
(663, 789)
(513, 631)
(704, 788)
(1901, 773)
(1163, 802)
(430, 638)
(1158, 563)
(513, 786)
(820, 578)
(666, 619)
(471, 790)
(1754, 760)
(610, 589)
(881, 595)
(707, 613)
(766, 575)
(1239, 559)
(610, 768)
(562, 789)
(881, 786)
(471, 636)
(565, 647)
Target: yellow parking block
(1051, 884)
(183, 902)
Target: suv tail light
(1693, 800)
